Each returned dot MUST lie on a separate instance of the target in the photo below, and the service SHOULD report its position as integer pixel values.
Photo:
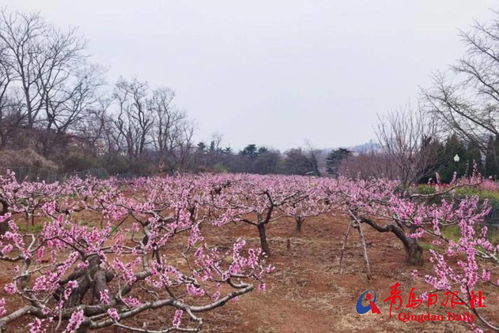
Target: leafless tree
(166, 117)
(216, 142)
(50, 95)
(316, 159)
(369, 165)
(41, 57)
(182, 146)
(134, 119)
(5, 75)
(48, 70)
(20, 36)
(96, 126)
(10, 116)
(145, 120)
(69, 105)
(468, 102)
(408, 140)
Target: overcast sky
(274, 72)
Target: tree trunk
(4, 226)
(263, 239)
(413, 250)
(299, 222)
(92, 278)
(82, 329)
(101, 278)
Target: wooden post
(358, 226)
(343, 247)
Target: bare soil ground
(307, 294)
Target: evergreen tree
(434, 151)
(453, 146)
(492, 158)
(250, 151)
(267, 162)
(335, 158)
(473, 157)
(201, 147)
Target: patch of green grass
(491, 196)
(31, 229)
(425, 189)
(466, 191)
(493, 235)
(451, 232)
(429, 246)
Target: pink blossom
(177, 318)
(72, 284)
(3, 311)
(104, 297)
(36, 326)
(132, 302)
(7, 248)
(10, 288)
(194, 291)
(75, 321)
(113, 314)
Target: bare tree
(68, 105)
(51, 97)
(134, 119)
(96, 126)
(48, 70)
(369, 165)
(10, 115)
(149, 121)
(182, 145)
(408, 140)
(166, 117)
(468, 102)
(315, 157)
(20, 36)
(41, 57)
(216, 142)
(5, 75)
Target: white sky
(274, 72)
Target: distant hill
(370, 146)
(362, 148)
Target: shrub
(25, 158)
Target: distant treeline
(57, 113)
(438, 158)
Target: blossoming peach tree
(459, 265)
(147, 254)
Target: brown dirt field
(306, 293)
